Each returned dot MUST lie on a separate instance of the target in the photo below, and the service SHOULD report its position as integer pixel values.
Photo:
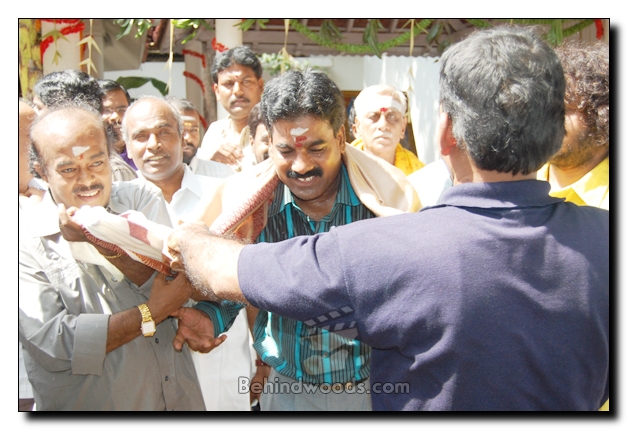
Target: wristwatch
(148, 325)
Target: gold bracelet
(111, 257)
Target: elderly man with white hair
(380, 123)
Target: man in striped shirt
(310, 368)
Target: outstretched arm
(209, 261)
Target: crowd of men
(309, 273)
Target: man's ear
(260, 82)
(355, 127)
(342, 138)
(446, 139)
(215, 88)
(40, 171)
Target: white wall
(157, 71)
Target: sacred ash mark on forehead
(297, 133)
(381, 103)
(78, 151)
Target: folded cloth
(130, 233)
(239, 204)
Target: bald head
(148, 103)
(385, 95)
(380, 120)
(70, 152)
(66, 123)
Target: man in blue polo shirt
(496, 298)
(311, 182)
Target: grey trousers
(286, 394)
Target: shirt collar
(188, 182)
(191, 182)
(194, 163)
(506, 195)
(592, 188)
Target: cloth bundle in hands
(130, 233)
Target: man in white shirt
(192, 139)
(153, 129)
(238, 84)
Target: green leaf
(160, 85)
(125, 27)
(248, 23)
(569, 31)
(434, 32)
(443, 46)
(555, 35)
(129, 82)
(369, 37)
(55, 59)
(479, 23)
(329, 31)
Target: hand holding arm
(165, 298)
(196, 329)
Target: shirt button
(325, 354)
(166, 377)
(156, 340)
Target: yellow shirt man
(405, 160)
(590, 190)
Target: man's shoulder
(218, 125)
(134, 195)
(213, 169)
(132, 188)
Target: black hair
(241, 55)
(504, 89)
(296, 94)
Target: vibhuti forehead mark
(380, 103)
(297, 133)
(78, 151)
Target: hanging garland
(197, 55)
(76, 27)
(195, 79)
(362, 48)
(217, 46)
(599, 29)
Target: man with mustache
(93, 323)
(68, 86)
(192, 140)
(153, 130)
(115, 102)
(238, 84)
(380, 124)
(311, 182)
